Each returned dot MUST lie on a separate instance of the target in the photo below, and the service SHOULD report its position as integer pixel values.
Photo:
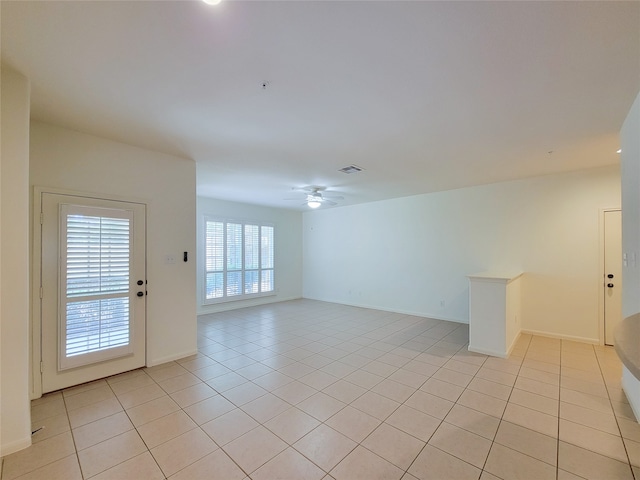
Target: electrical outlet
(169, 259)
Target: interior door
(93, 289)
(612, 273)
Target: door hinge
(41, 218)
(41, 293)
(41, 367)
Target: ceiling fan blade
(332, 196)
(308, 189)
(328, 202)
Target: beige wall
(413, 254)
(15, 415)
(65, 159)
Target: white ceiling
(425, 96)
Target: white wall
(410, 254)
(65, 159)
(630, 168)
(287, 254)
(15, 413)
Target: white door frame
(36, 280)
(602, 273)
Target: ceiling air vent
(351, 169)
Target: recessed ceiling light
(619, 150)
(212, 2)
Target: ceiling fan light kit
(313, 202)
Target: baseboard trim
(513, 344)
(392, 310)
(573, 338)
(496, 353)
(15, 446)
(171, 358)
(631, 388)
(487, 351)
(228, 306)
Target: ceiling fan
(316, 196)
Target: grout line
(559, 404)
(124, 410)
(400, 334)
(73, 438)
(493, 441)
(615, 416)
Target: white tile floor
(312, 390)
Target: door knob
(141, 294)
(610, 275)
(610, 285)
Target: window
(95, 253)
(238, 260)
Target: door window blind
(95, 271)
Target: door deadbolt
(610, 275)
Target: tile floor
(312, 390)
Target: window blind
(239, 259)
(214, 259)
(96, 253)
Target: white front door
(93, 295)
(612, 273)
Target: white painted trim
(170, 358)
(485, 351)
(513, 344)
(97, 195)
(242, 303)
(631, 388)
(495, 353)
(238, 298)
(500, 277)
(35, 379)
(601, 271)
(383, 309)
(573, 338)
(36, 260)
(12, 447)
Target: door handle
(141, 294)
(610, 285)
(610, 275)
